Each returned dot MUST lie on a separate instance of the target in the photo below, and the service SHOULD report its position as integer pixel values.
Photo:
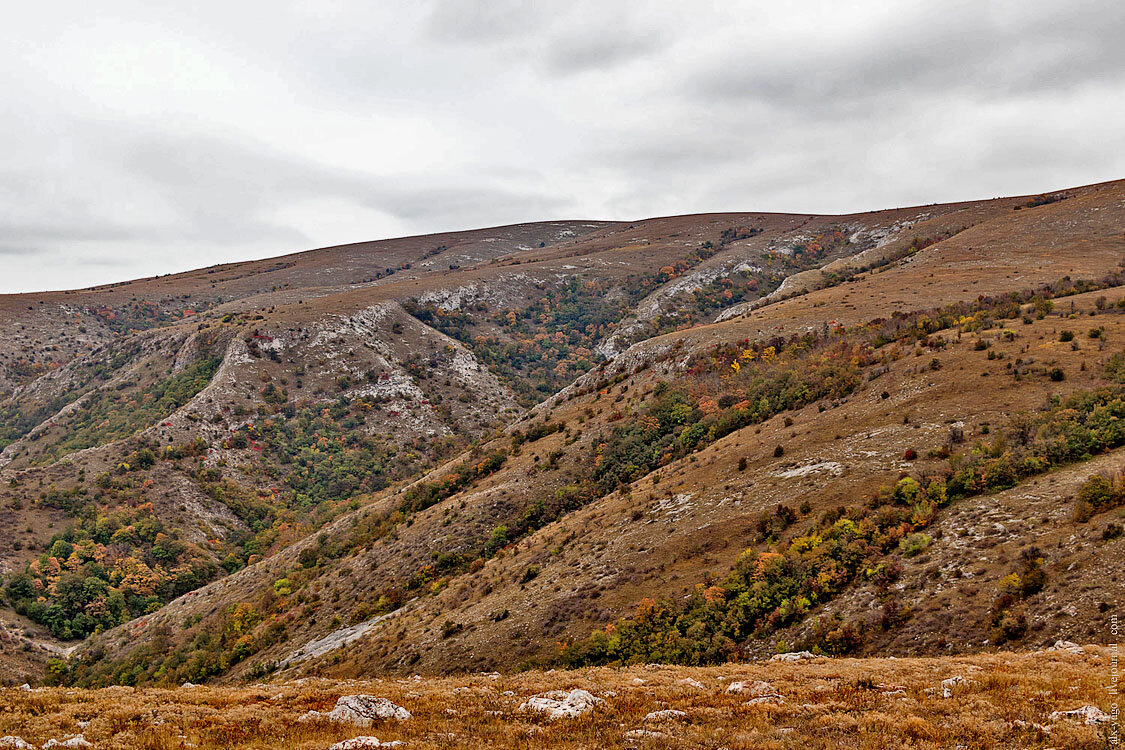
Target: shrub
(1066, 336)
(1097, 494)
(915, 544)
(1011, 626)
(1115, 368)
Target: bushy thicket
(118, 561)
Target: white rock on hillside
(559, 704)
(793, 656)
(70, 742)
(645, 734)
(756, 688)
(365, 743)
(1086, 714)
(360, 710)
(947, 686)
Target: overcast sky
(155, 136)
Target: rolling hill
(682, 440)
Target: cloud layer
(142, 140)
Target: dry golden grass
(828, 703)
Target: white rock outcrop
(1086, 714)
(365, 743)
(74, 741)
(793, 656)
(645, 734)
(755, 688)
(559, 704)
(947, 686)
(360, 710)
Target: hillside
(864, 435)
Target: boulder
(360, 710)
(559, 704)
(793, 656)
(755, 688)
(365, 743)
(75, 741)
(645, 734)
(1085, 714)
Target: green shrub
(1097, 494)
(914, 545)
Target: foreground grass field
(1004, 700)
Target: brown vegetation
(1004, 701)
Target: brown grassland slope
(1004, 700)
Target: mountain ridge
(276, 422)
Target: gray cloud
(143, 139)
